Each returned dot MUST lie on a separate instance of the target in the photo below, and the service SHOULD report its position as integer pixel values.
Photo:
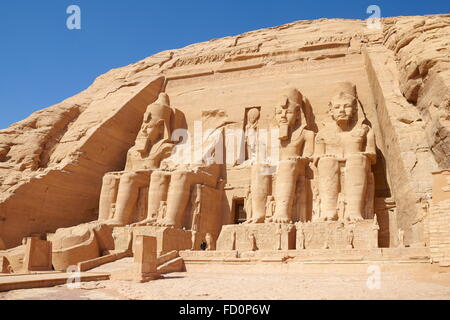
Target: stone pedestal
(38, 255)
(269, 236)
(168, 239)
(145, 260)
(336, 235)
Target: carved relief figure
(252, 239)
(326, 244)
(162, 209)
(279, 237)
(401, 238)
(270, 206)
(300, 236)
(248, 204)
(208, 240)
(296, 148)
(375, 230)
(196, 199)
(233, 241)
(251, 134)
(316, 203)
(345, 151)
(193, 239)
(350, 238)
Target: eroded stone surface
(331, 121)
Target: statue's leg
(177, 198)
(157, 192)
(285, 191)
(108, 195)
(259, 188)
(328, 168)
(355, 188)
(179, 193)
(127, 196)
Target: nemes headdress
(161, 109)
(346, 88)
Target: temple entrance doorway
(240, 216)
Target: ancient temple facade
(312, 136)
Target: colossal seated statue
(344, 153)
(120, 189)
(178, 176)
(296, 146)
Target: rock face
(52, 164)
(420, 46)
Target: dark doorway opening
(240, 216)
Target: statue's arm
(319, 149)
(308, 150)
(371, 147)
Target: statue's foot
(278, 220)
(166, 224)
(329, 217)
(146, 222)
(354, 217)
(254, 220)
(112, 223)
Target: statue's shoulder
(325, 131)
(302, 132)
(361, 130)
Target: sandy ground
(215, 286)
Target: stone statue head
(343, 105)
(287, 113)
(158, 115)
(253, 116)
(156, 123)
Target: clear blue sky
(42, 62)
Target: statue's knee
(109, 179)
(128, 178)
(157, 176)
(180, 177)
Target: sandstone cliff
(52, 163)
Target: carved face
(152, 127)
(286, 114)
(342, 108)
(253, 116)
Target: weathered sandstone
(362, 117)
